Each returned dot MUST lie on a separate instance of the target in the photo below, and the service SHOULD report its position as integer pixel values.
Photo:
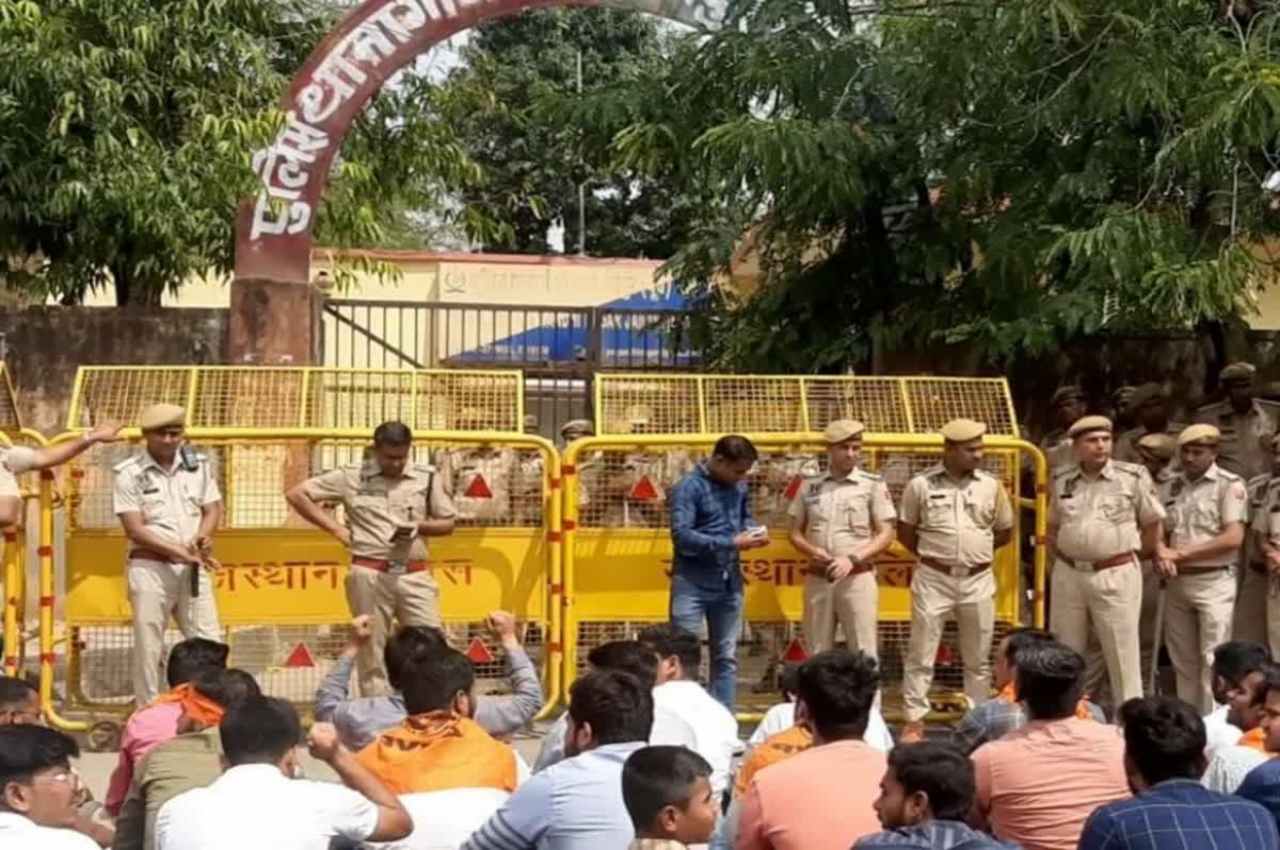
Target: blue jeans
(721, 609)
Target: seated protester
(193, 759)
(626, 656)
(821, 799)
(257, 803)
(156, 723)
(782, 717)
(19, 703)
(577, 804)
(681, 697)
(1230, 764)
(38, 790)
(1164, 757)
(1038, 784)
(1233, 661)
(450, 774)
(998, 716)
(925, 798)
(359, 720)
(1262, 784)
(667, 791)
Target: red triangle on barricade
(793, 488)
(300, 657)
(795, 652)
(945, 657)
(478, 653)
(643, 491)
(478, 489)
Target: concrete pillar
(274, 323)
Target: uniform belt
(1105, 564)
(858, 569)
(1197, 570)
(383, 564)
(956, 570)
(149, 555)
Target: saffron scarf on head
(1082, 707)
(439, 751)
(195, 705)
(775, 748)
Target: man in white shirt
(38, 790)
(255, 803)
(680, 697)
(781, 717)
(1233, 661)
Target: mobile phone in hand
(758, 531)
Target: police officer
(629, 507)
(168, 502)
(954, 516)
(391, 506)
(1265, 531)
(1151, 407)
(1067, 406)
(842, 520)
(1154, 451)
(1102, 513)
(479, 479)
(1206, 507)
(16, 460)
(590, 468)
(1252, 620)
(1242, 421)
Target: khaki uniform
(14, 462)
(783, 478)
(1240, 450)
(459, 470)
(592, 498)
(663, 470)
(171, 502)
(956, 521)
(839, 515)
(1202, 596)
(1151, 587)
(401, 588)
(1099, 519)
(1126, 445)
(527, 493)
(1249, 621)
(1267, 523)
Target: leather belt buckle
(959, 572)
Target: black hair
(1270, 682)
(735, 449)
(259, 731)
(656, 777)
(227, 687)
(1236, 659)
(1050, 680)
(190, 657)
(1020, 639)
(837, 688)
(27, 749)
(629, 656)
(788, 679)
(407, 643)
(618, 706)
(392, 433)
(15, 692)
(432, 680)
(1164, 738)
(668, 639)
(939, 770)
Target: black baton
(195, 580)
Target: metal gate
(559, 349)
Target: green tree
(1008, 174)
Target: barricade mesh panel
(936, 401)
(10, 417)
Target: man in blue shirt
(710, 524)
(1164, 758)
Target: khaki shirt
(663, 469)
(1126, 445)
(460, 469)
(1101, 517)
(956, 519)
(1240, 450)
(1266, 520)
(1200, 510)
(782, 478)
(1056, 446)
(840, 514)
(170, 500)
(14, 462)
(375, 505)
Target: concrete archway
(369, 45)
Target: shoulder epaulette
(1128, 468)
(874, 476)
(129, 461)
(425, 468)
(1230, 476)
(1064, 471)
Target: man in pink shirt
(154, 724)
(821, 799)
(1037, 785)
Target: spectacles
(60, 777)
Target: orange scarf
(195, 705)
(439, 751)
(775, 748)
(1082, 707)
(1254, 739)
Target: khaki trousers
(412, 599)
(1147, 621)
(158, 591)
(1108, 601)
(1197, 617)
(853, 601)
(935, 598)
(1251, 620)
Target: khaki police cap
(1159, 446)
(162, 416)
(843, 429)
(963, 430)
(1238, 372)
(578, 425)
(1068, 392)
(1147, 392)
(1087, 425)
(1205, 435)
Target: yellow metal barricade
(280, 593)
(617, 551)
(10, 416)
(15, 549)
